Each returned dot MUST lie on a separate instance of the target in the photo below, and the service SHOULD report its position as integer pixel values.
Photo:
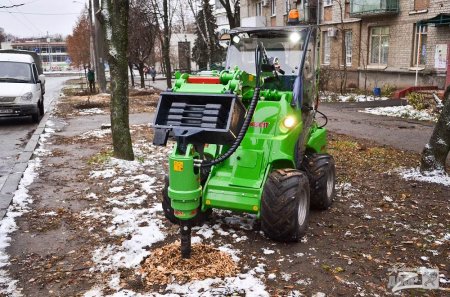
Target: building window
(326, 48)
(327, 2)
(287, 6)
(348, 48)
(258, 8)
(273, 7)
(421, 40)
(379, 45)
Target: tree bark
(118, 48)
(436, 151)
(130, 66)
(166, 44)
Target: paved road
(400, 133)
(15, 132)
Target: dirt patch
(82, 103)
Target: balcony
(367, 8)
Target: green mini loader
(247, 139)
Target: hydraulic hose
(251, 110)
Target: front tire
(285, 205)
(36, 117)
(321, 172)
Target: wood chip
(165, 265)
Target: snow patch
(436, 177)
(406, 111)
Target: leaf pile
(165, 265)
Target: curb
(16, 173)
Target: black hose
(250, 112)
(324, 116)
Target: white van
(22, 85)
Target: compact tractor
(247, 138)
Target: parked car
(22, 84)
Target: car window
(15, 72)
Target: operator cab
(284, 49)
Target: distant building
(53, 54)
(380, 42)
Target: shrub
(387, 90)
(417, 100)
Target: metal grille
(7, 99)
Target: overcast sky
(37, 17)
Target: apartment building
(378, 42)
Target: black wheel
(321, 172)
(41, 107)
(36, 117)
(285, 205)
(169, 211)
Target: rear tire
(321, 172)
(285, 205)
(169, 211)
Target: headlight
(26, 97)
(289, 122)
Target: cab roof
(276, 29)
(23, 58)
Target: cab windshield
(287, 47)
(15, 72)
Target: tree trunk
(166, 44)
(118, 48)
(436, 151)
(99, 44)
(141, 73)
(130, 66)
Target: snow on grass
(268, 251)
(19, 206)
(98, 133)
(352, 97)
(406, 111)
(436, 177)
(89, 111)
(245, 284)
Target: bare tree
(436, 151)
(233, 10)
(342, 61)
(201, 33)
(141, 36)
(166, 13)
(116, 37)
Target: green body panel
(237, 183)
(317, 140)
(184, 183)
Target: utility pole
(92, 38)
(99, 44)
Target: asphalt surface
(15, 132)
(345, 118)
